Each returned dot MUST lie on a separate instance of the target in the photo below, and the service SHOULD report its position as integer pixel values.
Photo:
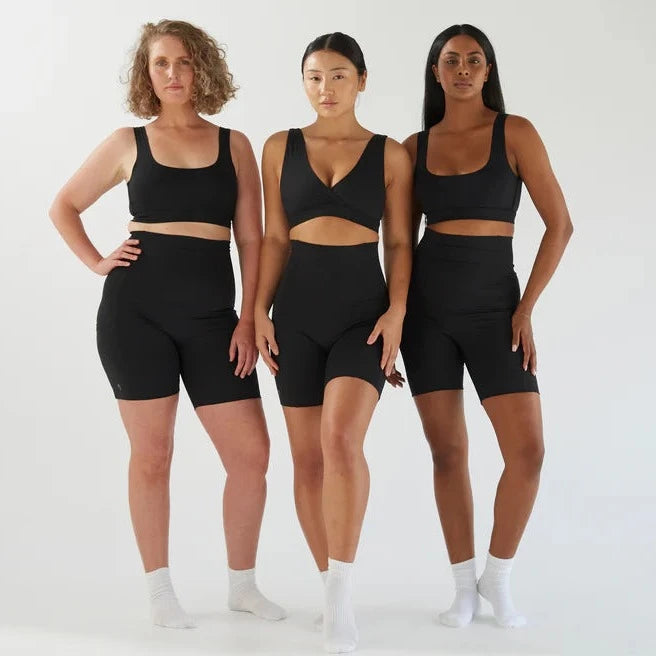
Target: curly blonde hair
(213, 85)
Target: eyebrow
(316, 70)
(473, 52)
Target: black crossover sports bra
(490, 193)
(358, 197)
(159, 193)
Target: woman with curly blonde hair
(168, 301)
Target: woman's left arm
(397, 243)
(247, 227)
(529, 155)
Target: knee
(340, 446)
(528, 460)
(253, 462)
(153, 463)
(308, 467)
(448, 456)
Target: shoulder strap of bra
(499, 137)
(225, 155)
(422, 150)
(143, 147)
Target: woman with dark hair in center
(465, 307)
(336, 324)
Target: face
(461, 68)
(331, 83)
(171, 70)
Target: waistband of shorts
(173, 242)
(473, 248)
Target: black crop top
(358, 197)
(492, 192)
(159, 193)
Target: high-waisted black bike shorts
(462, 296)
(326, 305)
(170, 314)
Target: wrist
(524, 310)
(397, 310)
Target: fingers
(263, 346)
(526, 348)
(233, 349)
(533, 362)
(515, 338)
(375, 334)
(256, 355)
(242, 353)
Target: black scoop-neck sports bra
(359, 196)
(161, 194)
(492, 192)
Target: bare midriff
(184, 229)
(332, 231)
(474, 228)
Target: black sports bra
(358, 197)
(492, 192)
(159, 193)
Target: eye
(338, 76)
(160, 62)
(451, 61)
(475, 60)
(185, 62)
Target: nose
(463, 72)
(326, 87)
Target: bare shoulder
(396, 154)
(274, 146)
(520, 129)
(410, 144)
(121, 141)
(239, 141)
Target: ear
(435, 73)
(363, 82)
(487, 71)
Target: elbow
(568, 230)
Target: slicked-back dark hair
(434, 103)
(338, 42)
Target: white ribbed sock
(165, 607)
(318, 620)
(340, 634)
(494, 585)
(245, 596)
(465, 604)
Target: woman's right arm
(411, 146)
(275, 247)
(107, 165)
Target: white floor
(581, 615)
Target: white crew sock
(340, 634)
(494, 585)
(465, 604)
(165, 607)
(245, 596)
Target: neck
(340, 127)
(178, 116)
(462, 115)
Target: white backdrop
(70, 575)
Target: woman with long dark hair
(465, 307)
(336, 323)
(167, 309)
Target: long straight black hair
(434, 103)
